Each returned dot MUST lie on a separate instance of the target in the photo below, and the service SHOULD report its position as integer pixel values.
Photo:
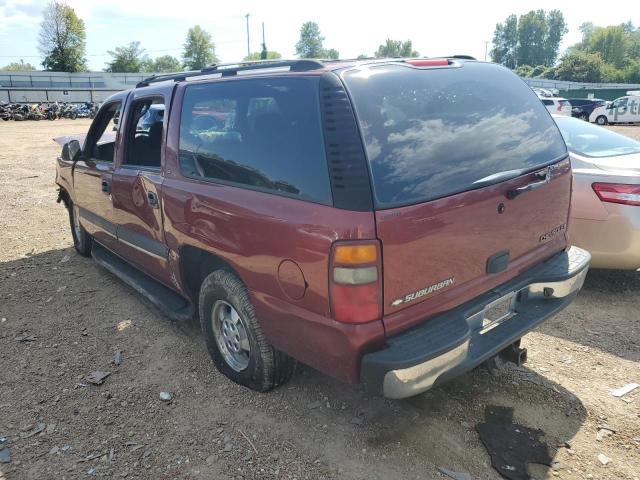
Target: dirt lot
(63, 317)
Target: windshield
(430, 133)
(592, 141)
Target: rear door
(445, 147)
(137, 183)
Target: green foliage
(271, 55)
(539, 71)
(199, 50)
(18, 67)
(524, 70)
(580, 67)
(505, 42)
(618, 47)
(362, 56)
(128, 59)
(62, 39)
(310, 43)
(163, 64)
(532, 39)
(396, 48)
(332, 53)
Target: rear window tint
(262, 134)
(430, 133)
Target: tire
(73, 116)
(243, 355)
(584, 116)
(601, 120)
(81, 239)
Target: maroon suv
(391, 222)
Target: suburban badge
(425, 291)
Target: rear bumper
(452, 343)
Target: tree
(332, 53)
(396, 48)
(310, 43)
(18, 67)
(556, 29)
(271, 55)
(580, 67)
(611, 43)
(532, 39)
(129, 59)
(505, 43)
(199, 50)
(165, 64)
(62, 39)
(524, 70)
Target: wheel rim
(601, 120)
(231, 336)
(76, 223)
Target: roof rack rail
(227, 69)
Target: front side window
(430, 133)
(264, 134)
(104, 132)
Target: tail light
(355, 283)
(618, 193)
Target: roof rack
(228, 69)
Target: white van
(622, 110)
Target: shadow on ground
(46, 293)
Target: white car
(557, 105)
(622, 110)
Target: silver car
(605, 206)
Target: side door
(92, 176)
(137, 183)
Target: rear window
(430, 133)
(263, 134)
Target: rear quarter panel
(254, 232)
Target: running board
(168, 301)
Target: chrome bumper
(474, 337)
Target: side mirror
(71, 150)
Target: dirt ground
(63, 317)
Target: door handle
(105, 186)
(153, 199)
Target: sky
(352, 27)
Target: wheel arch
(196, 264)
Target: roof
(278, 66)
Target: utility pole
(486, 45)
(248, 44)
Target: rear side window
(430, 133)
(263, 134)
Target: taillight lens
(618, 193)
(355, 283)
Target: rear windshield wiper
(500, 177)
(544, 175)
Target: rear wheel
(584, 116)
(81, 239)
(234, 337)
(601, 120)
